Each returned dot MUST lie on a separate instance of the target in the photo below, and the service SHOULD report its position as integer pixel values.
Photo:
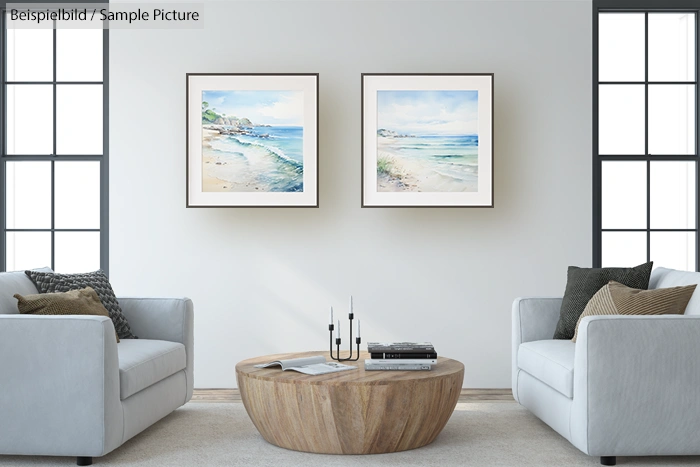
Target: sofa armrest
(59, 386)
(636, 385)
(533, 319)
(167, 319)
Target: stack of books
(412, 356)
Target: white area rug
(221, 434)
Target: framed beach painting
(252, 140)
(427, 140)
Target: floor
(480, 434)
(486, 429)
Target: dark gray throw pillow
(583, 283)
(49, 282)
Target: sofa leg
(608, 460)
(88, 461)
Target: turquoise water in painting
(450, 156)
(284, 140)
(268, 159)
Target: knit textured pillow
(48, 282)
(76, 302)
(583, 283)
(617, 299)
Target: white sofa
(68, 389)
(629, 386)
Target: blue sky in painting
(428, 112)
(284, 108)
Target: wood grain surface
(467, 396)
(351, 412)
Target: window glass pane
(77, 252)
(28, 202)
(624, 249)
(671, 119)
(621, 119)
(79, 119)
(624, 195)
(28, 250)
(621, 47)
(79, 54)
(30, 119)
(29, 54)
(672, 195)
(77, 195)
(675, 250)
(671, 47)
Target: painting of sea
(252, 141)
(427, 141)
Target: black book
(400, 347)
(399, 355)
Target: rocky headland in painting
(229, 125)
(383, 132)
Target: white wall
(262, 279)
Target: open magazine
(309, 365)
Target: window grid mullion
(697, 144)
(69, 82)
(104, 161)
(644, 230)
(645, 82)
(50, 157)
(4, 156)
(53, 164)
(651, 157)
(646, 129)
(3, 143)
(648, 158)
(53, 213)
(640, 9)
(53, 230)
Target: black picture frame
(306, 82)
(407, 81)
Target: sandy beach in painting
(427, 141)
(402, 167)
(258, 154)
(210, 181)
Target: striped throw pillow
(618, 299)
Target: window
(53, 167)
(645, 125)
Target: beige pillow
(618, 299)
(76, 302)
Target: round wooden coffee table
(351, 412)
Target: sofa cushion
(144, 362)
(617, 299)
(12, 283)
(76, 302)
(54, 282)
(550, 361)
(583, 283)
(662, 278)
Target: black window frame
(643, 6)
(103, 158)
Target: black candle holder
(331, 327)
